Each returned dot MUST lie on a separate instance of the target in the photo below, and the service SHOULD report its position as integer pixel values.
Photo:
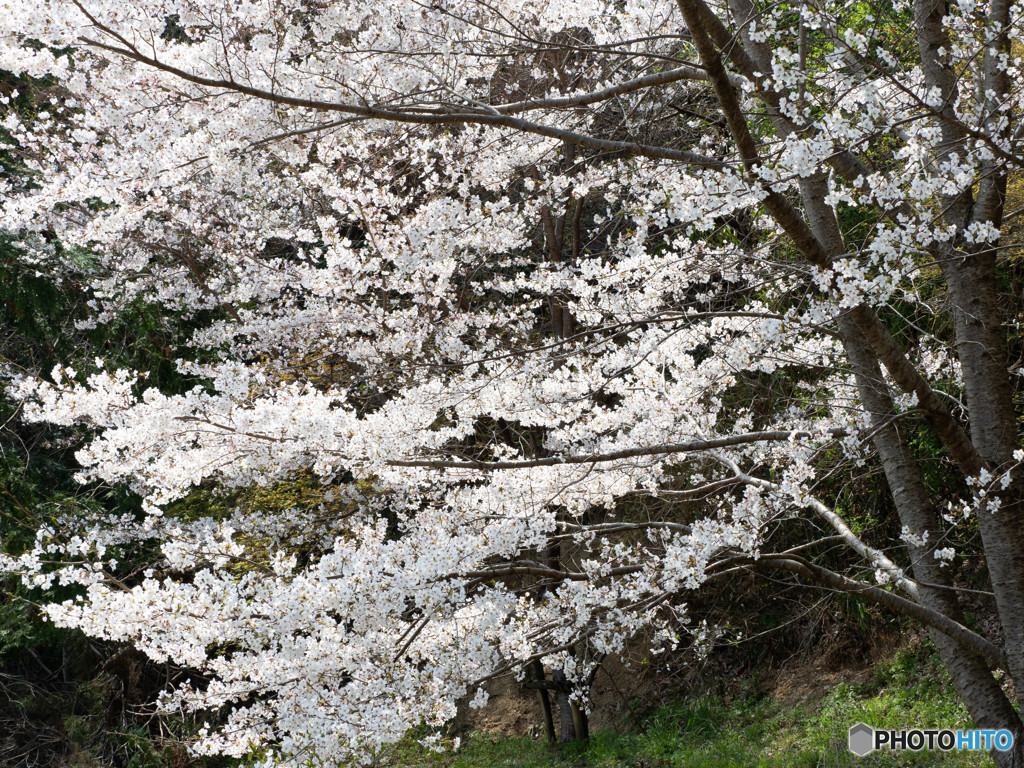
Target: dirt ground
(513, 711)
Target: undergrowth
(910, 690)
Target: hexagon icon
(862, 739)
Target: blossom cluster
(476, 270)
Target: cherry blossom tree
(571, 307)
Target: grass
(910, 690)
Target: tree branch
(419, 117)
(967, 638)
(627, 453)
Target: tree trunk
(980, 691)
(566, 722)
(545, 702)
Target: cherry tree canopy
(570, 306)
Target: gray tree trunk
(566, 722)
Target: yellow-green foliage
(320, 508)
